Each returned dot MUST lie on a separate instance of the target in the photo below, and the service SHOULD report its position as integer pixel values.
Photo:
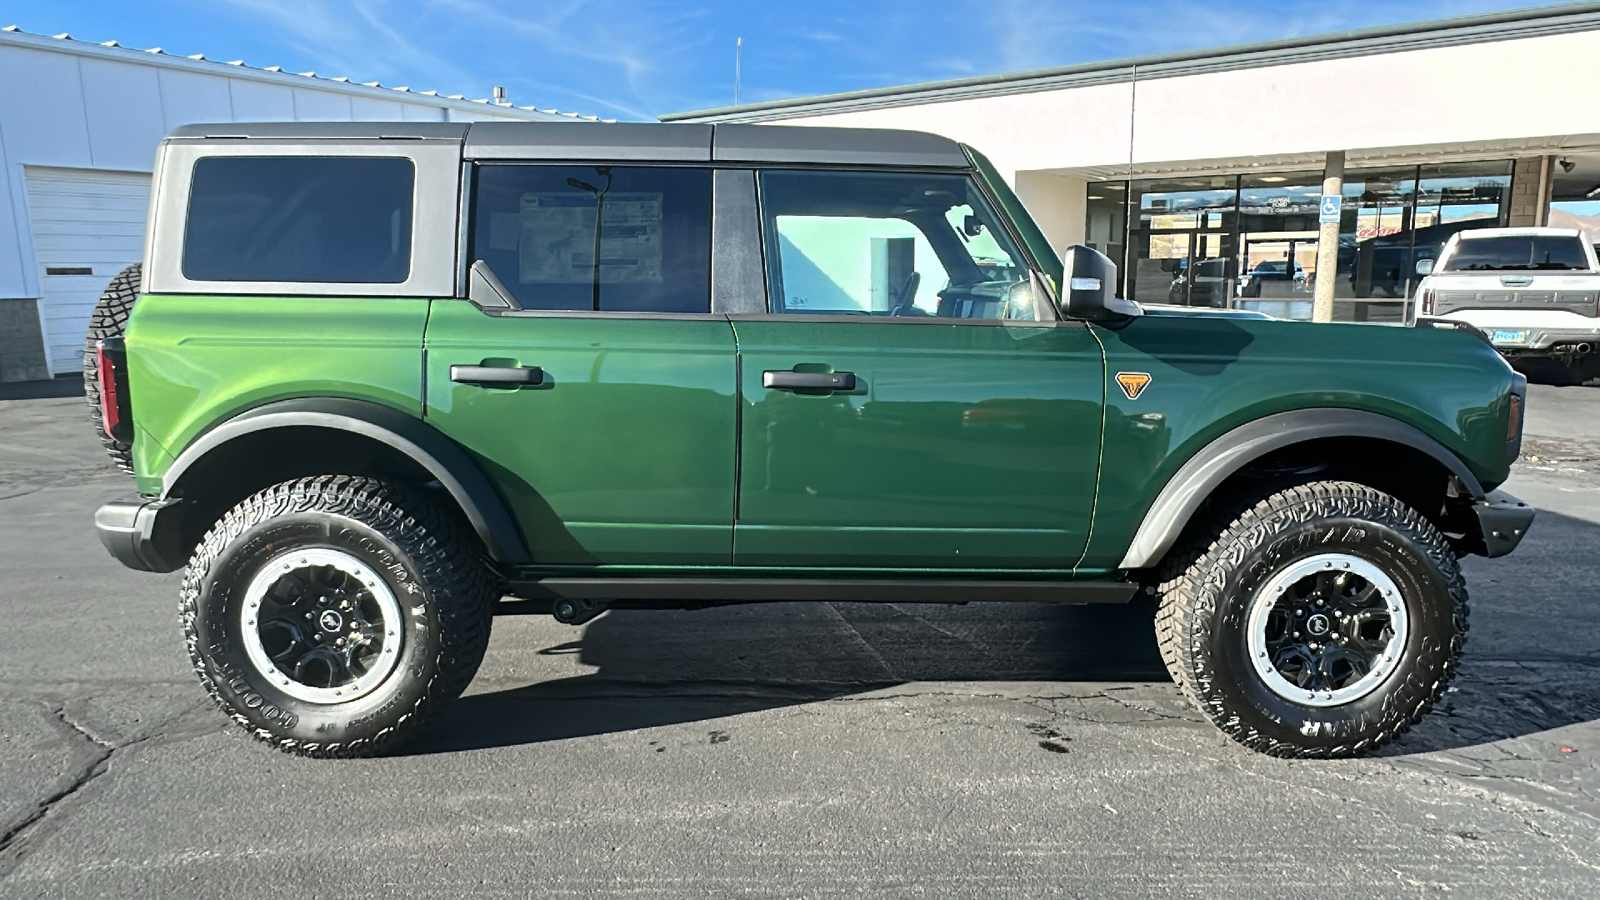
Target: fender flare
(442, 457)
(1215, 462)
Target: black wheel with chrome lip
(1327, 629)
(322, 625)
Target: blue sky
(636, 59)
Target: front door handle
(827, 381)
(497, 374)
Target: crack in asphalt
(13, 842)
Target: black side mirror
(971, 226)
(1090, 291)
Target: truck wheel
(1585, 368)
(334, 616)
(109, 319)
(1322, 621)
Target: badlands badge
(1133, 383)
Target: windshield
(1523, 252)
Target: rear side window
(1511, 253)
(315, 219)
(596, 238)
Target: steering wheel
(905, 298)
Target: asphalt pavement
(790, 749)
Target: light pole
(599, 216)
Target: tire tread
(109, 319)
(1190, 589)
(448, 558)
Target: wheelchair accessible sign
(1332, 206)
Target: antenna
(738, 54)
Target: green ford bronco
(379, 377)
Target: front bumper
(1503, 521)
(142, 533)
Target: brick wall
(1530, 191)
(21, 342)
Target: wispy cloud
(354, 37)
(632, 46)
(640, 58)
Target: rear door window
(308, 219)
(596, 238)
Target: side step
(853, 590)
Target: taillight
(1514, 423)
(110, 415)
(112, 376)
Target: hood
(1200, 312)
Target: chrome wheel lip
(388, 656)
(1267, 597)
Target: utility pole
(738, 54)
(1330, 209)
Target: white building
(79, 125)
(1199, 172)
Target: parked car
(373, 378)
(1210, 288)
(1535, 292)
(1273, 276)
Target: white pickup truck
(1535, 292)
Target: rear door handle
(831, 381)
(497, 374)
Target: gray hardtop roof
(623, 141)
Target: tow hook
(577, 612)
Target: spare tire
(109, 320)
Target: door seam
(738, 441)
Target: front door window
(879, 244)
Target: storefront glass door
(1182, 245)
(1251, 241)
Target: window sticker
(557, 240)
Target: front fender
(1208, 468)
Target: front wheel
(336, 615)
(1323, 621)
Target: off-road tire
(1206, 589)
(425, 555)
(110, 319)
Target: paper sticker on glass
(558, 241)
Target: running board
(852, 590)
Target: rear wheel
(336, 615)
(1322, 621)
(1552, 371)
(109, 319)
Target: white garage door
(87, 226)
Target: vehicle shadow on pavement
(671, 667)
(1531, 662)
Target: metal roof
(624, 141)
(1475, 29)
(236, 68)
